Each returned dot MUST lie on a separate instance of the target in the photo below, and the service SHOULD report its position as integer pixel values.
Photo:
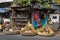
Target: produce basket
(28, 33)
(28, 30)
(45, 34)
(12, 33)
(46, 31)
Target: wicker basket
(45, 34)
(46, 31)
(28, 33)
(13, 32)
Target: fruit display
(45, 31)
(22, 2)
(28, 30)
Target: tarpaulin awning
(2, 10)
(2, 1)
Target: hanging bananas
(22, 2)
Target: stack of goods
(28, 30)
(22, 2)
(45, 31)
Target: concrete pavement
(19, 37)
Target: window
(54, 17)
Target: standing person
(6, 23)
(49, 20)
(36, 18)
(42, 18)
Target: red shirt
(36, 16)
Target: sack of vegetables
(22, 2)
(28, 30)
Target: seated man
(39, 25)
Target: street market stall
(3, 13)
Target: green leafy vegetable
(22, 2)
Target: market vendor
(39, 25)
(6, 23)
(6, 20)
(36, 18)
(44, 19)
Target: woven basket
(13, 33)
(28, 33)
(45, 34)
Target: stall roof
(2, 10)
(2, 1)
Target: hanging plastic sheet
(2, 10)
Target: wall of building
(55, 20)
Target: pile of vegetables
(39, 1)
(22, 2)
(28, 30)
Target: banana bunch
(22, 2)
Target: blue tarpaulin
(2, 10)
(2, 1)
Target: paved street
(19, 37)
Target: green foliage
(22, 2)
